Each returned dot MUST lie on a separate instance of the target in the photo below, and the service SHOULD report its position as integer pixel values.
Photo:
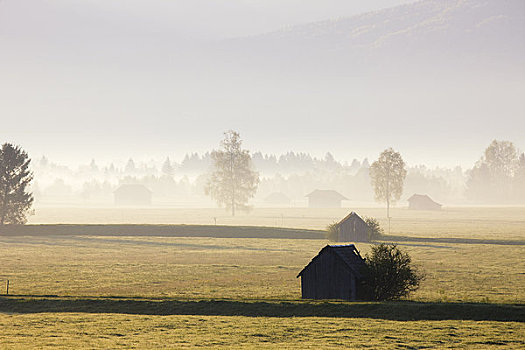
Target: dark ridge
(398, 311)
(218, 231)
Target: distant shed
(132, 194)
(352, 229)
(335, 273)
(325, 199)
(422, 202)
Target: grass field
(157, 292)
(83, 271)
(244, 268)
(107, 331)
(465, 222)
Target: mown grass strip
(217, 231)
(399, 311)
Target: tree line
(498, 177)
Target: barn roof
(353, 214)
(422, 198)
(349, 255)
(329, 194)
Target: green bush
(332, 232)
(390, 273)
(375, 231)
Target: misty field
(106, 292)
(463, 222)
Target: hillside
(466, 34)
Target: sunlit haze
(262, 174)
(111, 80)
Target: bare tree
(233, 181)
(388, 175)
(15, 176)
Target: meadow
(156, 292)
(465, 222)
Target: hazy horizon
(113, 80)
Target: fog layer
(437, 80)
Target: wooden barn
(335, 273)
(352, 229)
(132, 194)
(422, 202)
(325, 199)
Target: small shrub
(390, 273)
(332, 232)
(375, 231)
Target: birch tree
(388, 176)
(233, 181)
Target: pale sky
(116, 79)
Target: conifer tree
(15, 176)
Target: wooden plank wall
(328, 277)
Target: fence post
(7, 288)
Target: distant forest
(291, 176)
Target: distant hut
(132, 194)
(422, 202)
(352, 229)
(335, 273)
(277, 198)
(325, 199)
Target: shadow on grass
(218, 231)
(399, 311)
(450, 240)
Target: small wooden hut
(335, 273)
(352, 229)
(325, 199)
(422, 202)
(133, 195)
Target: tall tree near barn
(15, 176)
(388, 176)
(233, 181)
